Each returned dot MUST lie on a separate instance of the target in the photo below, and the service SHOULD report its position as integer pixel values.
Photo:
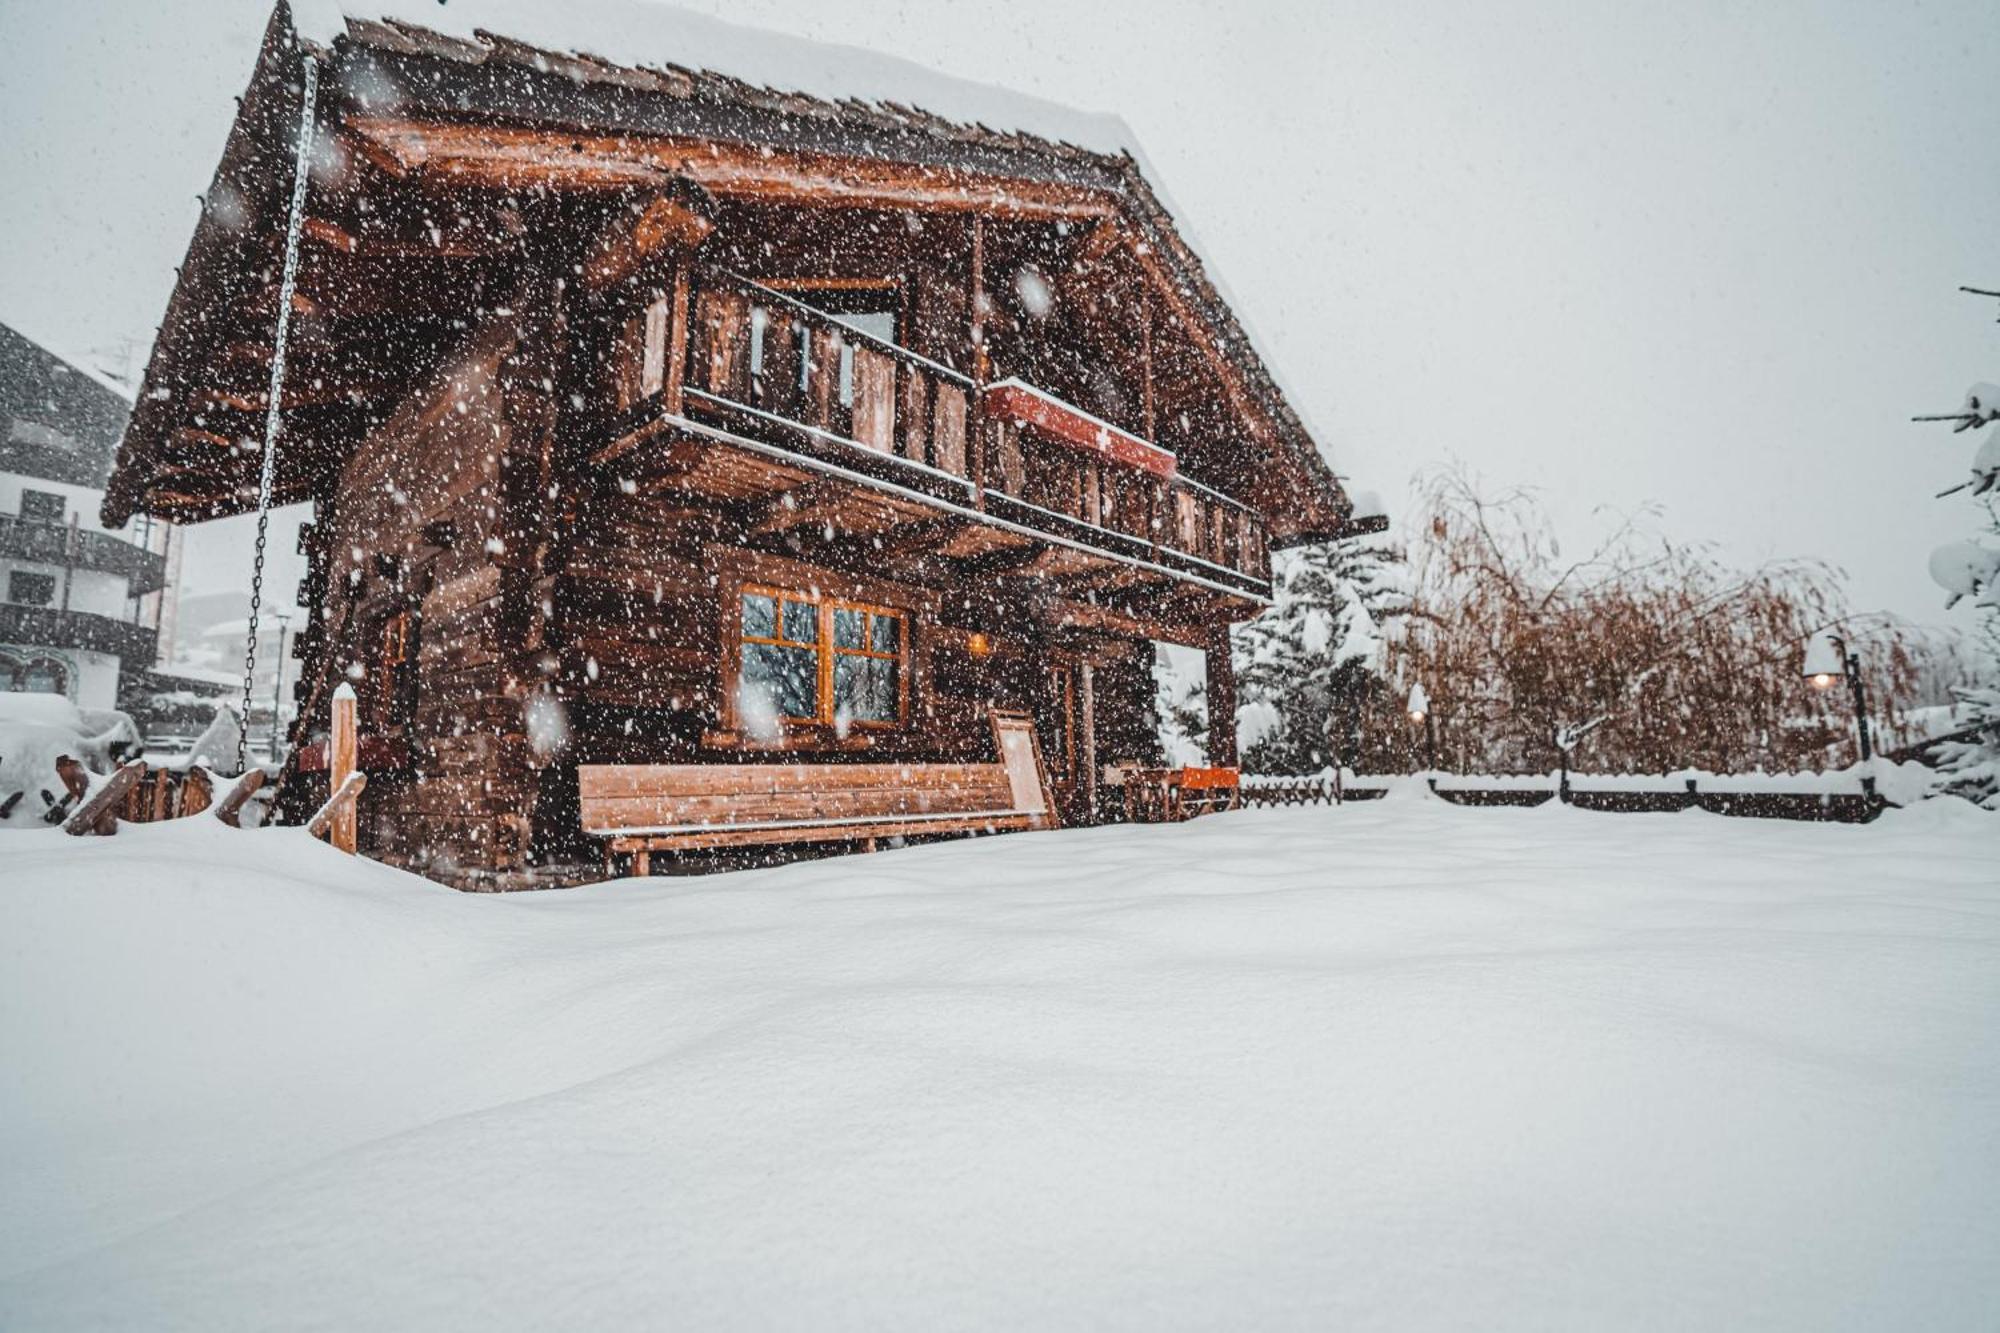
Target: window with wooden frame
(815, 659)
(872, 306)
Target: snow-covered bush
(38, 729)
(1645, 655)
(1314, 659)
(220, 741)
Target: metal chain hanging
(274, 403)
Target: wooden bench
(640, 809)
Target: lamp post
(284, 618)
(1420, 713)
(1829, 659)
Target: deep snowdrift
(1396, 1065)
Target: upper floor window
(877, 322)
(871, 306)
(26, 589)
(41, 506)
(807, 658)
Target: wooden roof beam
(642, 236)
(815, 502)
(341, 289)
(513, 158)
(1095, 262)
(197, 442)
(300, 391)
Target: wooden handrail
(230, 809)
(900, 407)
(339, 810)
(883, 345)
(343, 774)
(99, 813)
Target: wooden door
(1063, 721)
(1056, 718)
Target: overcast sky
(1703, 255)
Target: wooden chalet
(652, 417)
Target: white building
(80, 605)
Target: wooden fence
(1828, 807)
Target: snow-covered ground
(1397, 1065)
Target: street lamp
(1420, 714)
(1829, 660)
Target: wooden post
(75, 777)
(1146, 363)
(340, 747)
(342, 802)
(1086, 740)
(677, 339)
(982, 368)
(1221, 699)
(230, 809)
(197, 792)
(99, 813)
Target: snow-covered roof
(635, 33)
(637, 69)
(77, 365)
(623, 35)
(202, 675)
(59, 418)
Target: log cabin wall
(433, 556)
(476, 564)
(562, 524)
(468, 562)
(652, 625)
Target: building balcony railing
(50, 627)
(60, 544)
(765, 364)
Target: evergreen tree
(1307, 668)
(1971, 569)
(1313, 659)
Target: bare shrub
(1645, 655)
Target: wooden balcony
(61, 544)
(763, 366)
(51, 627)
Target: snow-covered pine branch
(1309, 669)
(1969, 571)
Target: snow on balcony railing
(765, 359)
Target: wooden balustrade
(759, 358)
(1172, 513)
(760, 349)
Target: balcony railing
(762, 359)
(61, 544)
(51, 627)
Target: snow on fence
(1802, 796)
